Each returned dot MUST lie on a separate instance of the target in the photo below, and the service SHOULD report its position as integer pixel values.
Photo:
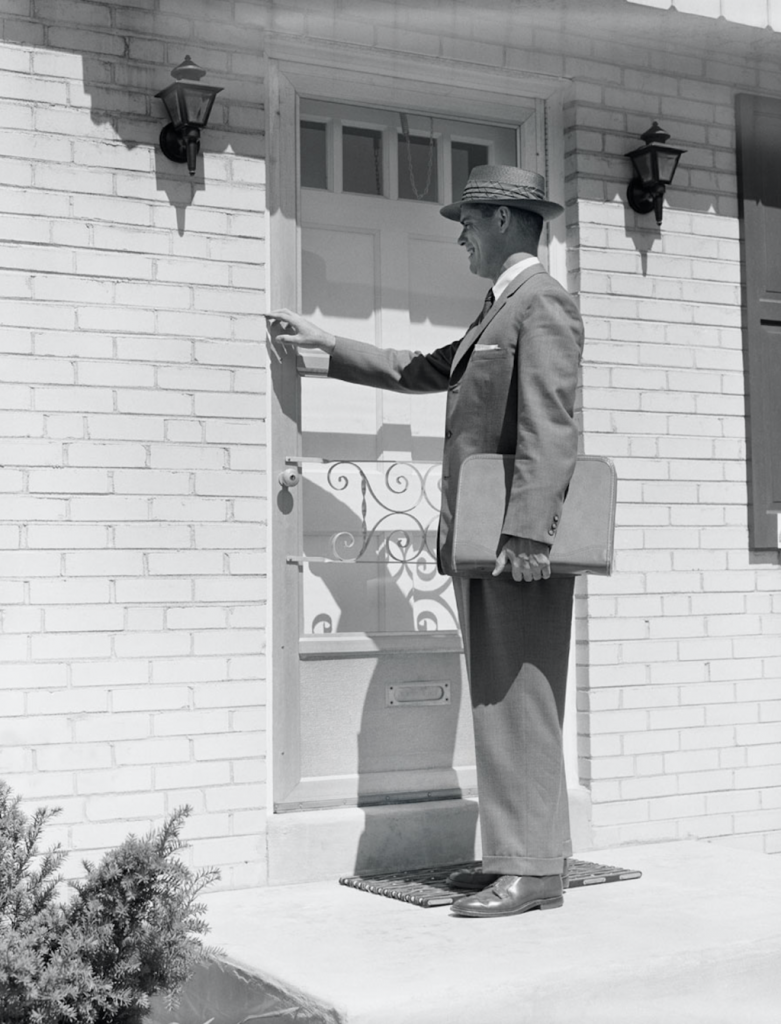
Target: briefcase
(584, 538)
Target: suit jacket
(511, 383)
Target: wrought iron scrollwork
(395, 524)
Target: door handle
(289, 477)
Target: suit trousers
(516, 638)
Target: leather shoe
(475, 879)
(512, 894)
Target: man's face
(483, 241)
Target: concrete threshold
(696, 940)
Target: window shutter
(759, 175)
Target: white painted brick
(151, 645)
(191, 562)
(763, 732)
(100, 619)
(195, 618)
(229, 695)
(705, 737)
(70, 591)
(190, 722)
(29, 563)
(145, 619)
(65, 426)
(205, 774)
(112, 508)
(190, 670)
(150, 698)
(152, 535)
(148, 590)
(651, 742)
(66, 701)
(93, 728)
(104, 563)
(110, 674)
(74, 398)
(22, 620)
(189, 509)
(150, 481)
(166, 403)
(127, 806)
(168, 749)
(186, 456)
(248, 563)
(126, 428)
(220, 748)
(230, 641)
(226, 851)
(67, 535)
(117, 780)
(10, 536)
(248, 795)
(732, 714)
(109, 455)
(15, 759)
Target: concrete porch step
(697, 940)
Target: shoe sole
(549, 904)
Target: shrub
(132, 929)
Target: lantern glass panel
(198, 102)
(644, 165)
(173, 104)
(667, 164)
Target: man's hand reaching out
(290, 328)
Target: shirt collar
(508, 276)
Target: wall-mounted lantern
(189, 106)
(654, 165)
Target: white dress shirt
(508, 276)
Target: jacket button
(555, 519)
(551, 531)
(448, 433)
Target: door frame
(296, 68)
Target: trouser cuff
(523, 865)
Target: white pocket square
(485, 348)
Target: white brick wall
(131, 428)
(668, 646)
(132, 519)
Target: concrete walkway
(697, 940)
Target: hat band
(486, 190)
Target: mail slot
(431, 694)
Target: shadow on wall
(115, 74)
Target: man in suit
(511, 383)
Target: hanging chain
(406, 134)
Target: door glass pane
(313, 155)
(465, 156)
(362, 161)
(418, 168)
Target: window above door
(394, 154)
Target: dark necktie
(489, 301)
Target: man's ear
(504, 218)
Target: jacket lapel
(471, 336)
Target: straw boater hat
(505, 186)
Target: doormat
(427, 887)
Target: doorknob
(289, 477)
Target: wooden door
(376, 707)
